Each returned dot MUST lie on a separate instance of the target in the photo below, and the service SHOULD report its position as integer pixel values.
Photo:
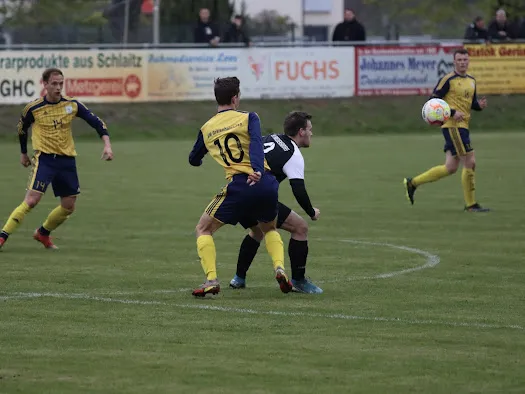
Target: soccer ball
(435, 112)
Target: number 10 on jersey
(236, 155)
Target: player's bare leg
(274, 245)
(31, 200)
(469, 184)
(206, 249)
(432, 175)
(298, 253)
(55, 218)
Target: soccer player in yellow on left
(53, 162)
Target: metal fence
(283, 42)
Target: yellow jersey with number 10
(233, 139)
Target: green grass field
(111, 312)
(333, 117)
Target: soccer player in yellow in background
(458, 89)
(53, 163)
(233, 139)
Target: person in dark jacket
(205, 31)
(476, 30)
(521, 29)
(350, 29)
(500, 29)
(237, 32)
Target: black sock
(298, 252)
(4, 235)
(43, 231)
(247, 253)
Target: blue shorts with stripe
(457, 141)
(58, 171)
(239, 202)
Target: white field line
(431, 261)
(333, 316)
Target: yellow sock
(16, 218)
(432, 175)
(208, 255)
(469, 189)
(56, 217)
(274, 245)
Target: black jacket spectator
(476, 31)
(501, 29)
(237, 32)
(205, 32)
(350, 29)
(521, 30)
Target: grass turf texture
(332, 117)
(133, 232)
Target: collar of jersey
(50, 103)
(224, 110)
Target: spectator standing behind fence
(350, 29)
(237, 31)
(500, 29)
(476, 30)
(206, 32)
(521, 29)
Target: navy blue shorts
(58, 171)
(457, 141)
(239, 202)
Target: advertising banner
(298, 72)
(498, 68)
(188, 74)
(264, 73)
(408, 70)
(90, 76)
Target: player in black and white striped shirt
(283, 155)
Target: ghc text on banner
(91, 76)
(498, 68)
(413, 70)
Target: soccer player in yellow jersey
(458, 89)
(53, 162)
(233, 139)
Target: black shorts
(282, 215)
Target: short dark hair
(295, 121)
(460, 51)
(226, 89)
(50, 71)
(238, 17)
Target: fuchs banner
(405, 70)
(298, 72)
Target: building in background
(315, 19)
